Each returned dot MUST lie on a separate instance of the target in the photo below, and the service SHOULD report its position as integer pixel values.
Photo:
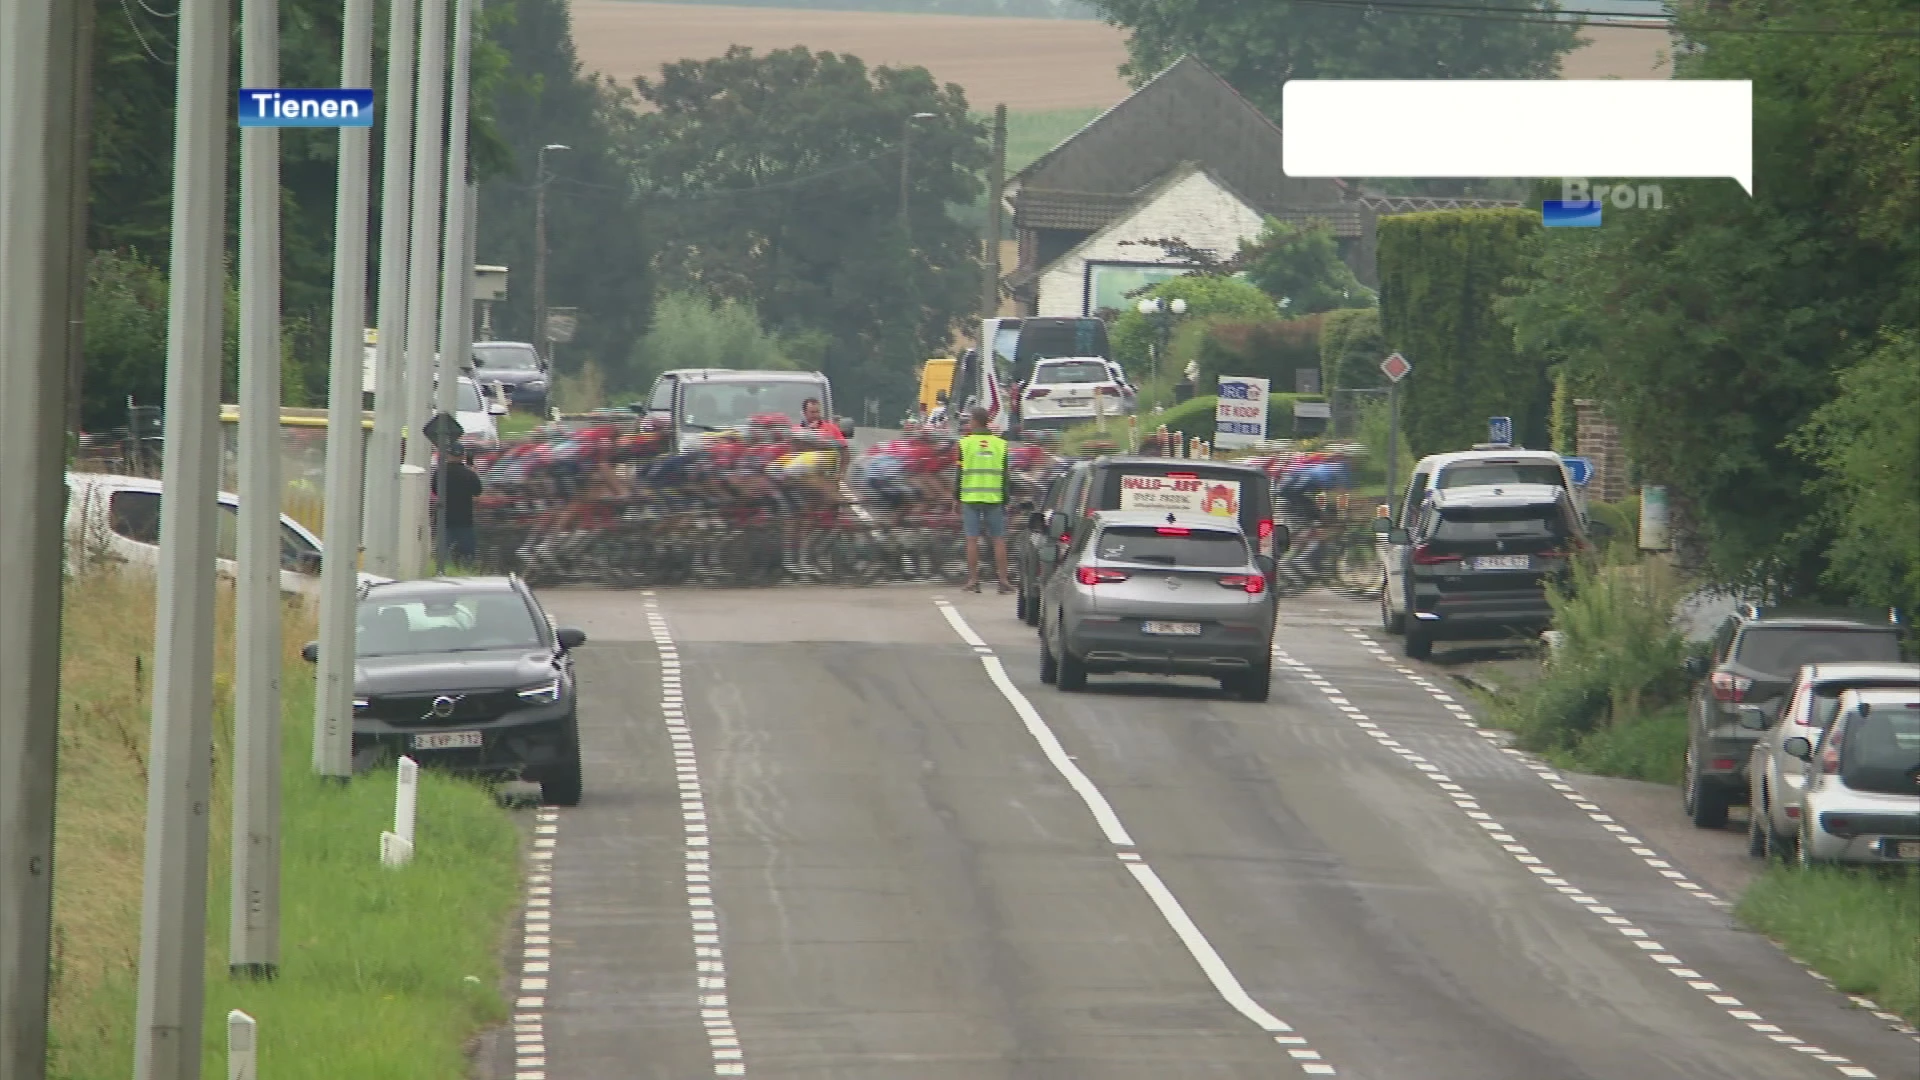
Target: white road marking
(529, 1006)
(710, 967)
(1204, 954)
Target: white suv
(1070, 390)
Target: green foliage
(1351, 348)
(582, 390)
(1375, 419)
(1195, 416)
(694, 331)
(1441, 273)
(1300, 265)
(126, 337)
(1614, 528)
(1208, 296)
(1257, 45)
(1651, 748)
(1866, 443)
(1271, 349)
(1019, 9)
(1563, 424)
(1854, 927)
(1620, 656)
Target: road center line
(1204, 954)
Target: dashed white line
(709, 961)
(1216, 970)
(1653, 950)
(530, 1003)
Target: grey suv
(1755, 655)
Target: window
(467, 397)
(710, 406)
(469, 622)
(1881, 750)
(662, 400)
(1477, 523)
(1416, 491)
(226, 532)
(1072, 373)
(506, 356)
(1202, 548)
(1488, 473)
(1782, 650)
(296, 552)
(135, 515)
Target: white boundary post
(396, 847)
(243, 1047)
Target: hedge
(1351, 349)
(1440, 273)
(1271, 349)
(1195, 417)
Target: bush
(1207, 296)
(692, 331)
(1195, 417)
(1271, 349)
(1351, 348)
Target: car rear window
(1073, 371)
(1881, 751)
(1782, 650)
(1480, 523)
(1488, 473)
(1826, 700)
(1209, 549)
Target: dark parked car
(1162, 485)
(466, 674)
(1755, 655)
(517, 366)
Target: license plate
(1188, 629)
(447, 740)
(1074, 402)
(1501, 562)
(1907, 849)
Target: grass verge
(1650, 747)
(383, 973)
(1860, 929)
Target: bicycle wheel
(1357, 569)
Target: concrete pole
(173, 920)
(996, 186)
(456, 336)
(253, 939)
(40, 46)
(390, 371)
(423, 269)
(339, 580)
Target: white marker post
(390, 372)
(396, 847)
(243, 1047)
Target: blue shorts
(984, 519)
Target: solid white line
(1203, 952)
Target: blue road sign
(1500, 430)
(1579, 469)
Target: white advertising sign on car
(1240, 414)
(1180, 495)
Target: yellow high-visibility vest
(983, 468)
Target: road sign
(443, 431)
(1500, 430)
(1579, 469)
(1396, 367)
(1240, 412)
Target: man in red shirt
(813, 417)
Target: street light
(1162, 312)
(540, 251)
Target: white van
(117, 519)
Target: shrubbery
(1271, 349)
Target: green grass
(1649, 748)
(518, 424)
(383, 973)
(1860, 929)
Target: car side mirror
(1282, 539)
(1798, 747)
(1037, 522)
(1696, 666)
(1397, 537)
(570, 638)
(496, 408)
(1753, 717)
(310, 652)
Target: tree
(1208, 296)
(694, 331)
(1301, 264)
(1440, 275)
(776, 178)
(1351, 348)
(1257, 45)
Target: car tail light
(1183, 476)
(1721, 764)
(1172, 530)
(1094, 575)
(1730, 687)
(1037, 392)
(1424, 555)
(1253, 584)
(1266, 528)
(1108, 391)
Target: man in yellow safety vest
(982, 489)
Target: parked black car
(466, 674)
(1128, 482)
(1755, 655)
(517, 366)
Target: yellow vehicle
(936, 378)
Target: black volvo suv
(466, 674)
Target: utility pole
(381, 516)
(540, 341)
(173, 918)
(996, 186)
(253, 932)
(423, 270)
(456, 338)
(82, 148)
(42, 48)
(339, 564)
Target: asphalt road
(848, 834)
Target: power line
(134, 25)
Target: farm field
(1032, 65)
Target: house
(1184, 157)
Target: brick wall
(1597, 439)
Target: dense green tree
(1209, 296)
(1301, 264)
(776, 178)
(694, 331)
(1351, 348)
(1257, 45)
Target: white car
(1064, 391)
(117, 519)
(478, 426)
(1862, 795)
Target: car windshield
(1781, 650)
(444, 623)
(1501, 523)
(1881, 751)
(1072, 371)
(1491, 473)
(1209, 549)
(710, 406)
(506, 357)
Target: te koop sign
(1240, 412)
